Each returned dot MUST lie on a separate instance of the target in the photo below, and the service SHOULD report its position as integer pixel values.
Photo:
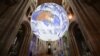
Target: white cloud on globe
(49, 22)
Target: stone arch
(72, 43)
(27, 37)
(21, 42)
(77, 42)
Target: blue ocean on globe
(49, 21)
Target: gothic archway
(78, 46)
(21, 43)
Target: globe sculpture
(49, 22)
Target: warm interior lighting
(70, 16)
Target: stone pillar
(88, 18)
(11, 18)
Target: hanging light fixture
(49, 22)
(70, 16)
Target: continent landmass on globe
(45, 15)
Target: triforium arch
(73, 47)
(20, 46)
(77, 43)
(26, 40)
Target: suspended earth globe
(49, 22)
